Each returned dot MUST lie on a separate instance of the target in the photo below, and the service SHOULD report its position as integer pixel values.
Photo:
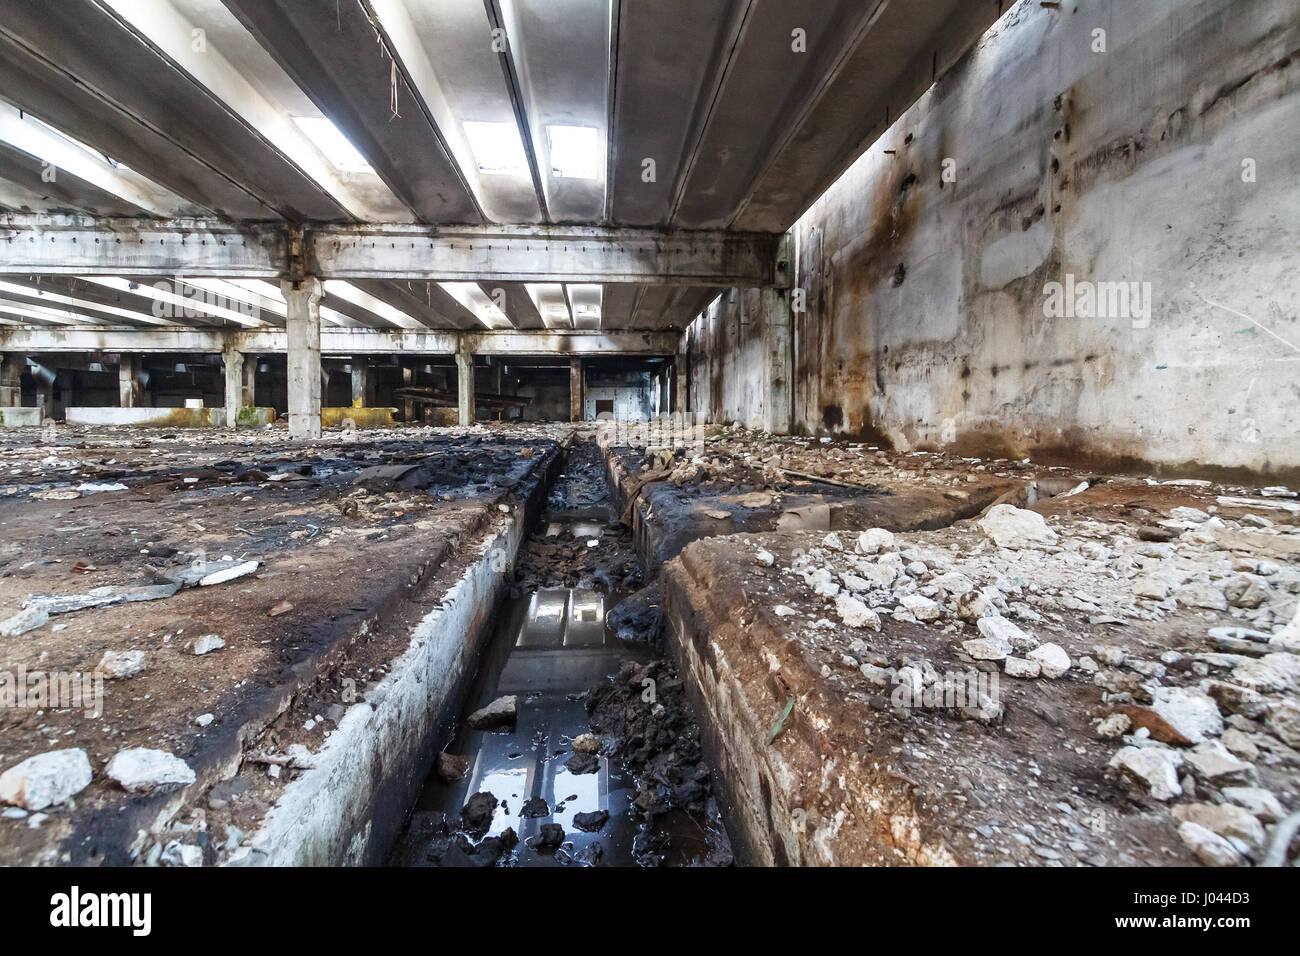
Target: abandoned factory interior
(649, 433)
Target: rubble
(46, 780)
(142, 770)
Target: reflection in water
(548, 649)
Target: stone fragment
(921, 608)
(1019, 667)
(1261, 803)
(875, 540)
(853, 613)
(1153, 768)
(1017, 529)
(207, 644)
(46, 780)
(1210, 848)
(503, 710)
(1194, 715)
(119, 665)
(142, 770)
(452, 767)
(999, 628)
(1224, 819)
(1211, 762)
(1052, 659)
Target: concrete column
(575, 389)
(302, 324)
(408, 404)
(681, 377)
(360, 383)
(779, 374)
(45, 396)
(233, 362)
(11, 382)
(465, 384)
(128, 381)
(248, 387)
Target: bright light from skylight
(326, 137)
(575, 152)
(497, 148)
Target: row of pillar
(302, 322)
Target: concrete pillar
(360, 383)
(11, 382)
(681, 376)
(45, 396)
(233, 362)
(128, 381)
(302, 323)
(575, 389)
(408, 404)
(465, 384)
(248, 387)
(779, 405)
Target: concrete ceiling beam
(78, 245)
(338, 341)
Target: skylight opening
(497, 148)
(575, 152)
(326, 137)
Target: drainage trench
(594, 757)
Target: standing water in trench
(600, 763)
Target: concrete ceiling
(700, 114)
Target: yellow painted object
(362, 417)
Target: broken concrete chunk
(503, 710)
(921, 608)
(987, 648)
(1212, 762)
(1155, 769)
(100, 597)
(141, 770)
(119, 665)
(1210, 848)
(452, 767)
(181, 854)
(853, 613)
(875, 540)
(28, 619)
(1016, 528)
(1200, 595)
(229, 574)
(1052, 659)
(1193, 715)
(999, 628)
(1284, 720)
(585, 744)
(1019, 667)
(46, 780)
(207, 644)
(1224, 819)
(1261, 803)
(1113, 725)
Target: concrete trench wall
(925, 321)
(351, 806)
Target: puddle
(549, 647)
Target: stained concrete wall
(1160, 151)
(728, 348)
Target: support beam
(11, 385)
(575, 389)
(50, 244)
(233, 362)
(303, 334)
(517, 343)
(465, 384)
(128, 381)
